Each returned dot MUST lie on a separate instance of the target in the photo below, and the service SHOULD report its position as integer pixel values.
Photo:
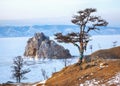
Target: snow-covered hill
(26, 31)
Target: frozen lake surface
(12, 47)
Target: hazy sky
(56, 11)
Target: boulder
(41, 46)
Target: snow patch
(112, 81)
(115, 80)
(42, 83)
(92, 82)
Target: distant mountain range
(50, 30)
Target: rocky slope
(97, 73)
(40, 46)
(102, 69)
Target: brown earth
(113, 53)
(75, 74)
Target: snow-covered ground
(114, 81)
(12, 47)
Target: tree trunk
(81, 51)
(19, 79)
(81, 55)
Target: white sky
(57, 11)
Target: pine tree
(86, 22)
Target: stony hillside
(103, 68)
(96, 73)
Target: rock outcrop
(41, 46)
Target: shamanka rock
(40, 46)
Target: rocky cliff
(40, 46)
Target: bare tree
(91, 47)
(18, 72)
(87, 22)
(65, 62)
(44, 74)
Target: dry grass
(113, 53)
(76, 74)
